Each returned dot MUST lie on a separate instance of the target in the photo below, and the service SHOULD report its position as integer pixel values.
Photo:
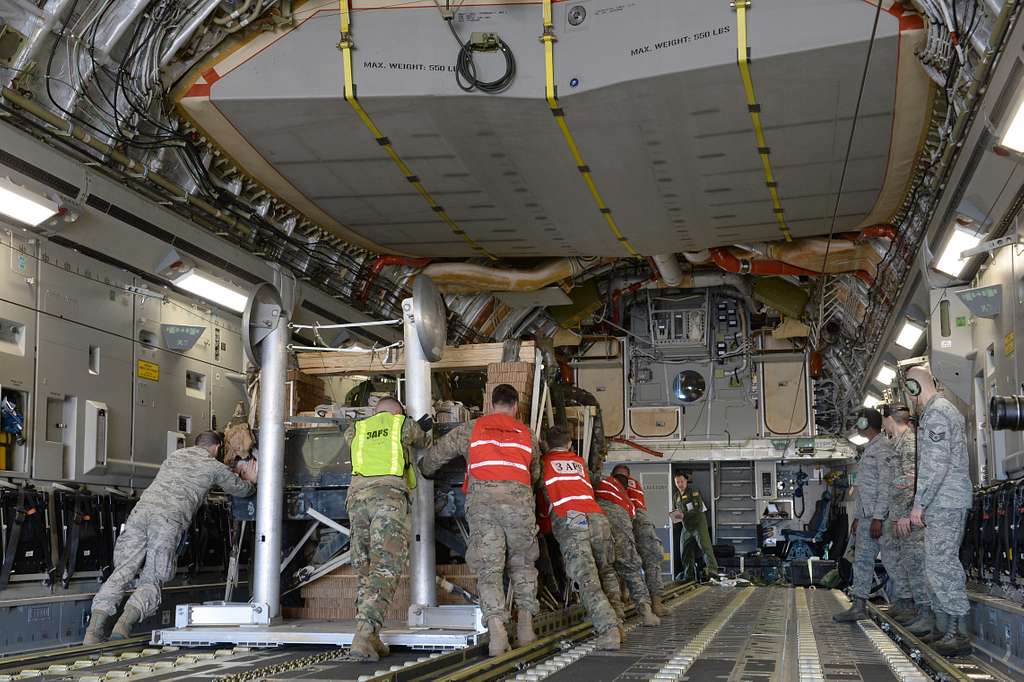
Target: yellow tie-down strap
(346, 46)
(743, 59)
(548, 39)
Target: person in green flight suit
(689, 509)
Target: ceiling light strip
(346, 44)
(551, 94)
(743, 60)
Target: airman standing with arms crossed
(941, 502)
(647, 543)
(871, 510)
(379, 513)
(570, 496)
(502, 466)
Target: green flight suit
(694, 534)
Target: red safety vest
(569, 489)
(611, 490)
(543, 516)
(500, 449)
(636, 494)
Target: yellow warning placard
(1009, 344)
(148, 370)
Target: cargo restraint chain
(743, 61)
(551, 95)
(346, 45)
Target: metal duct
(467, 277)
(669, 268)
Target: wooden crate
(333, 597)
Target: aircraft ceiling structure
(651, 92)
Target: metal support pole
(270, 489)
(423, 564)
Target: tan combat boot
(362, 643)
(658, 608)
(524, 629)
(650, 620)
(126, 623)
(609, 640)
(99, 628)
(499, 638)
(379, 646)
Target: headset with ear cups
(862, 423)
(913, 387)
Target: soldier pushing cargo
(148, 546)
(647, 543)
(502, 466)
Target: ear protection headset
(913, 387)
(862, 423)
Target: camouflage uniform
(379, 517)
(902, 556)
(149, 544)
(627, 561)
(574, 539)
(695, 527)
(502, 528)
(651, 551)
(944, 492)
(602, 543)
(873, 485)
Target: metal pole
(269, 493)
(423, 564)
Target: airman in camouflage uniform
(941, 502)
(379, 515)
(903, 546)
(602, 542)
(148, 546)
(628, 564)
(502, 520)
(872, 508)
(648, 545)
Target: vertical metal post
(423, 564)
(270, 488)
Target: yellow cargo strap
(346, 44)
(548, 38)
(743, 59)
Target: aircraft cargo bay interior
(613, 340)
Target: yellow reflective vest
(377, 448)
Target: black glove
(426, 422)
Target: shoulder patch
(936, 436)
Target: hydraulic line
(346, 44)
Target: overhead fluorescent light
(24, 205)
(857, 439)
(885, 375)
(872, 400)
(909, 335)
(950, 261)
(203, 286)
(1013, 138)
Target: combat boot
(100, 624)
(362, 646)
(854, 613)
(524, 628)
(379, 646)
(903, 609)
(658, 608)
(956, 641)
(924, 623)
(609, 640)
(498, 636)
(126, 623)
(938, 631)
(650, 620)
